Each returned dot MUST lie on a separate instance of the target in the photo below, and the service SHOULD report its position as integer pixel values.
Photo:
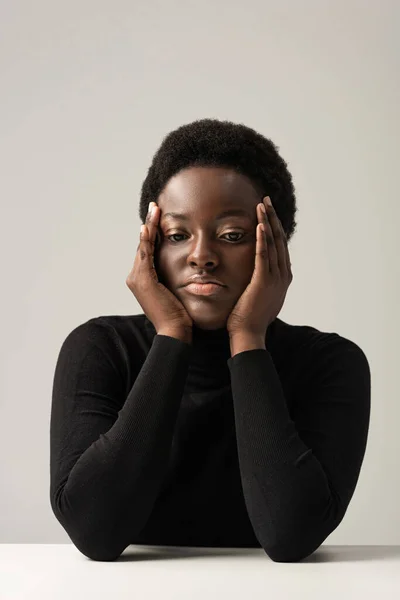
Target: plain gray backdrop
(88, 90)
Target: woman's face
(201, 244)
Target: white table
(60, 571)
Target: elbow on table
(101, 556)
(99, 552)
(95, 547)
(285, 557)
(294, 553)
(93, 542)
(300, 545)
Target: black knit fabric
(157, 441)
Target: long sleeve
(109, 447)
(299, 474)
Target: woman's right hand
(162, 308)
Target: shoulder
(95, 331)
(299, 339)
(316, 353)
(115, 335)
(107, 344)
(108, 327)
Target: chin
(209, 322)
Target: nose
(202, 253)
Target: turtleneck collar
(214, 341)
(209, 353)
(209, 337)
(210, 348)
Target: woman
(207, 420)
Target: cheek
(246, 270)
(159, 262)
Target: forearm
(103, 498)
(285, 488)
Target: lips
(205, 289)
(203, 280)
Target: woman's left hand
(263, 298)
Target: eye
(229, 233)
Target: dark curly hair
(215, 143)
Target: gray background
(88, 90)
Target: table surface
(60, 571)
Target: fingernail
(263, 207)
(150, 208)
(268, 199)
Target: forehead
(208, 189)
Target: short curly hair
(215, 143)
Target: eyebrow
(230, 212)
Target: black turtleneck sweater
(157, 441)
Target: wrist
(182, 335)
(243, 341)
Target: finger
(143, 233)
(285, 247)
(153, 225)
(261, 242)
(261, 260)
(287, 256)
(278, 239)
(143, 256)
(146, 253)
(150, 218)
(272, 250)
